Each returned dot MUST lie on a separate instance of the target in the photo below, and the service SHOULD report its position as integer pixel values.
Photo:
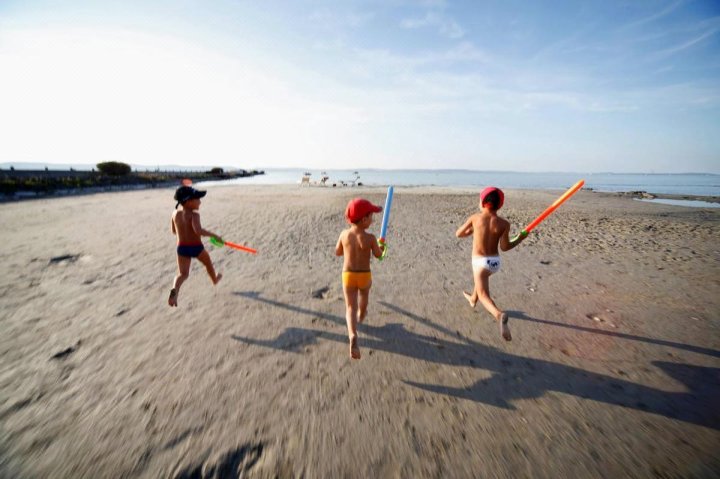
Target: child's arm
(465, 230)
(377, 251)
(199, 229)
(339, 247)
(172, 224)
(506, 244)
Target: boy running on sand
(356, 245)
(185, 223)
(489, 230)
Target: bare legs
(363, 298)
(356, 303)
(184, 271)
(472, 298)
(481, 293)
(204, 258)
(183, 263)
(351, 317)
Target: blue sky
(623, 86)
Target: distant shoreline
(26, 184)
(670, 184)
(62, 193)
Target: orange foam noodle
(240, 247)
(555, 205)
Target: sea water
(690, 203)
(695, 184)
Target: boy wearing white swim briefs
(489, 231)
(490, 263)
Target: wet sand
(613, 370)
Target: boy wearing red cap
(185, 223)
(489, 230)
(356, 245)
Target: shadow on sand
(632, 337)
(516, 377)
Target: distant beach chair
(355, 181)
(305, 180)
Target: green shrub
(114, 168)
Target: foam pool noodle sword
(219, 243)
(386, 218)
(550, 209)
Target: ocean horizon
(692, 184)
(695, 184)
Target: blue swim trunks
(193, 251)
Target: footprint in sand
(67, 351)
(599, 319)
(65, 258)
(232, 464)
(321, 293)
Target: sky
(581, 86)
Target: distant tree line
(108, 174)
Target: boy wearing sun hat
(185, 224)
(489, 231)
(356, 245)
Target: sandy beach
(613, 370)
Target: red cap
(489, 190)
(359, 208)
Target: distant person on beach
(356, 245)
(185, 224)
(489, 230)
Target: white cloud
(376, 62)
(655, 16)
(446, 26)
(331, 20)
(686, 44)
(89, 95)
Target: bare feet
(217, 278)
(504, 328)
(354, 349)
(172, 300)
(469, 297)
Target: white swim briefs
(490, 263)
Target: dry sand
(613, 371)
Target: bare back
(357, 246)
(488, 230)
(185, 223)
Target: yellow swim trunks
(357, 279)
